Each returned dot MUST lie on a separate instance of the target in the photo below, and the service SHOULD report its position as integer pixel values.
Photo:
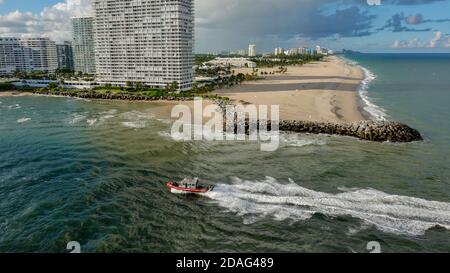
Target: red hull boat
(188, 186)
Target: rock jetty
(379, 131)
(371, 130)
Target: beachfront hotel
(27, 54)
(83, 45)
(146, 41)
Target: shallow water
(94, 172)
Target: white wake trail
(389, 213)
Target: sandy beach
(321, 91)
(14, 93)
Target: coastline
(367, 107)
(14, 94)
(328, 91)
(322, 91)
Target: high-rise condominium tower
(65, 56)
(252, 50)
(83, 45)
(145, 41)
(27, 54)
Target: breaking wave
(300, 140)
(76, 118)
(136, 119)
(376, 111)
(15, 106)
(91, 122)
(389, 213)
(22, 120)
(135, 124)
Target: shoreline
(327, 91)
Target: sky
(230, 25)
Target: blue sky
(394, 26)
(26, 5)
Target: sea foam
(22, 120)
(374, 110)
(389, 213)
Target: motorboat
(188, 186)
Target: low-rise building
(69, 84)
(233, 62)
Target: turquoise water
(94, 172)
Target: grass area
(150, 93)
(286, 60)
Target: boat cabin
(189, 183)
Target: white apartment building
(83, 45)
(279, 51)
(11, 56)
(252, 50)
(147, 41)
(27, 54)
(233, 62)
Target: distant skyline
(394, 26)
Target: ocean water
(94, 172)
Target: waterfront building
(65, 56)
(83, 45)
(252, 50)
(233, 62)
(146, 41)
(27, 54)
(279, 51)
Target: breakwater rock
(371, 130)
(379, 131)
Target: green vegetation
(6, 86)
(203, 58)
(285, 60)
(132, 90)
(60, 74)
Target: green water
(94, 172)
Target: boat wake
(389, 213)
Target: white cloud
(52, 22)
(220, 24)
(438, 40)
